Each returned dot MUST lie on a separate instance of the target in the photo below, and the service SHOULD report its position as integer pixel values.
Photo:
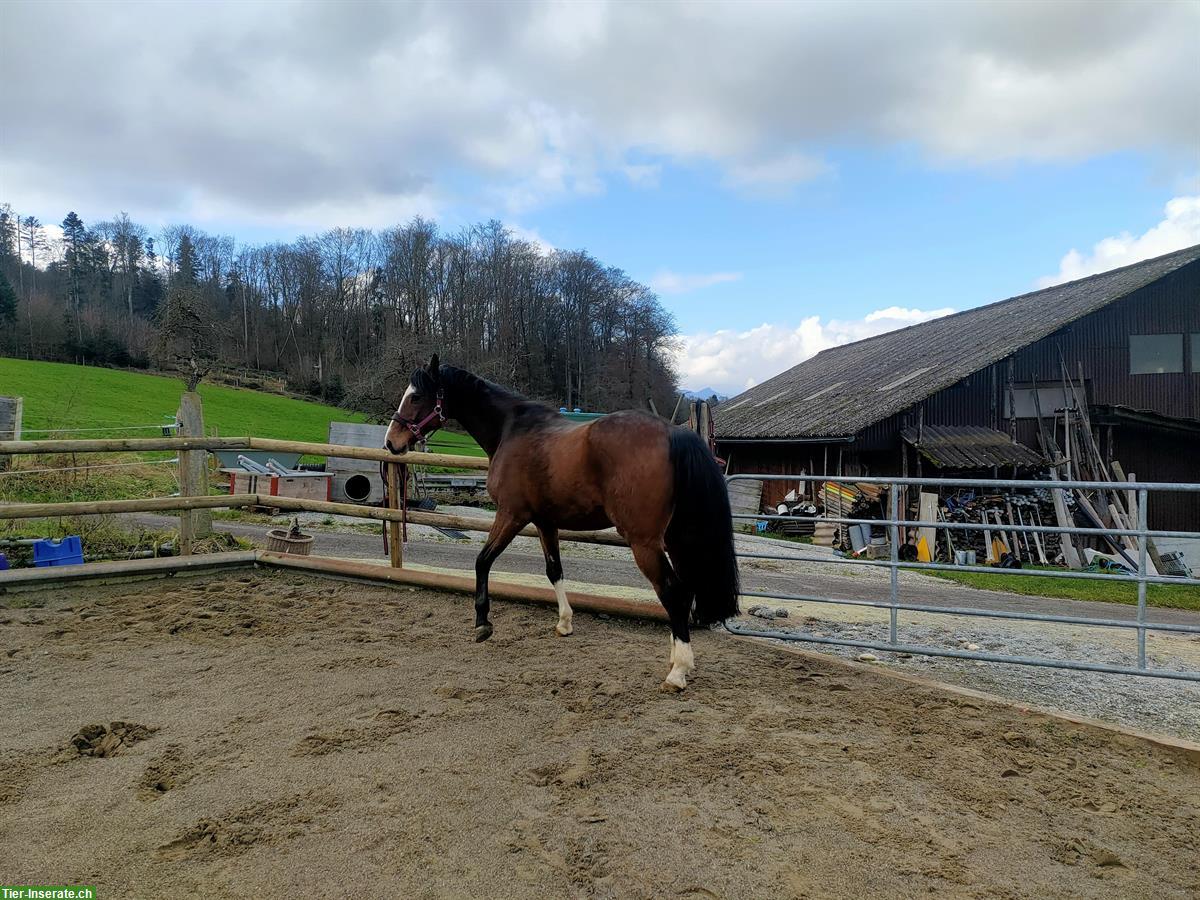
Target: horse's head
(420, 412)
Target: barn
(980, 391)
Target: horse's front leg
(504, 529)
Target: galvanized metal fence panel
(1142, 577)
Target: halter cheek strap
(418, 428)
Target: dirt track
(319, 736)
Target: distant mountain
(704, 394)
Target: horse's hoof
(669, 687)
(483, 632)
(563, 630)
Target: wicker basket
(280, 540)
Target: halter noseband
(418, 428)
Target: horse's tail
(699, 537)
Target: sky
(787, 176)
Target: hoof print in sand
(105, 741)
(166, 772)
(269, 824)
(372, 732)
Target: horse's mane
(464, 384)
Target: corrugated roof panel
(835, 390)
(970, 447)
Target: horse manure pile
(108, 740)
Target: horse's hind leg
(554, 572)
(504, 529)
(674, 596)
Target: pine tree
(187, 260)
(8, 301)
(74, 238)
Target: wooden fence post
(10, 424)
(395, 534)
(193, 473)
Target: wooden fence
(191, 498)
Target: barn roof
(845, 389)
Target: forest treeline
(345, 315)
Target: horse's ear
(433, 367)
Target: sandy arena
(279, 735)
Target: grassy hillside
(79, 398)
(62, 396)
(58, 395)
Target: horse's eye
(416, 398)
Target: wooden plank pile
(846, 501)
(1079, 459)
(745, 498)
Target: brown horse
(659, 485)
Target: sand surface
(279, 735)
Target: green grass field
(1182, 596)
(62, 396)
(73, 400)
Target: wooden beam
(113, 507)
(135, 445)
(123, 445)
(121, 569)
(445, 460)
(613, 606)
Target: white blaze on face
(399, 411)
(407, 393)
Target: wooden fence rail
(131, 445)
(113, 507)
(292, 504)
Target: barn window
(1049, 399)
(1155, 354)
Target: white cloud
(1179, 228)
(530, 235)
(282, 110)
(732, 361)
(667, 282)
(777, 174)
(643, 175)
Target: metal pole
(1141, 611)
(893, 507)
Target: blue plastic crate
(67, 552)
(3, 562)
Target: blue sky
(787, 176)
(881, 229)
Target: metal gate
(894, 605)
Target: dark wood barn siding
(1156, 455)
(1100, 344)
